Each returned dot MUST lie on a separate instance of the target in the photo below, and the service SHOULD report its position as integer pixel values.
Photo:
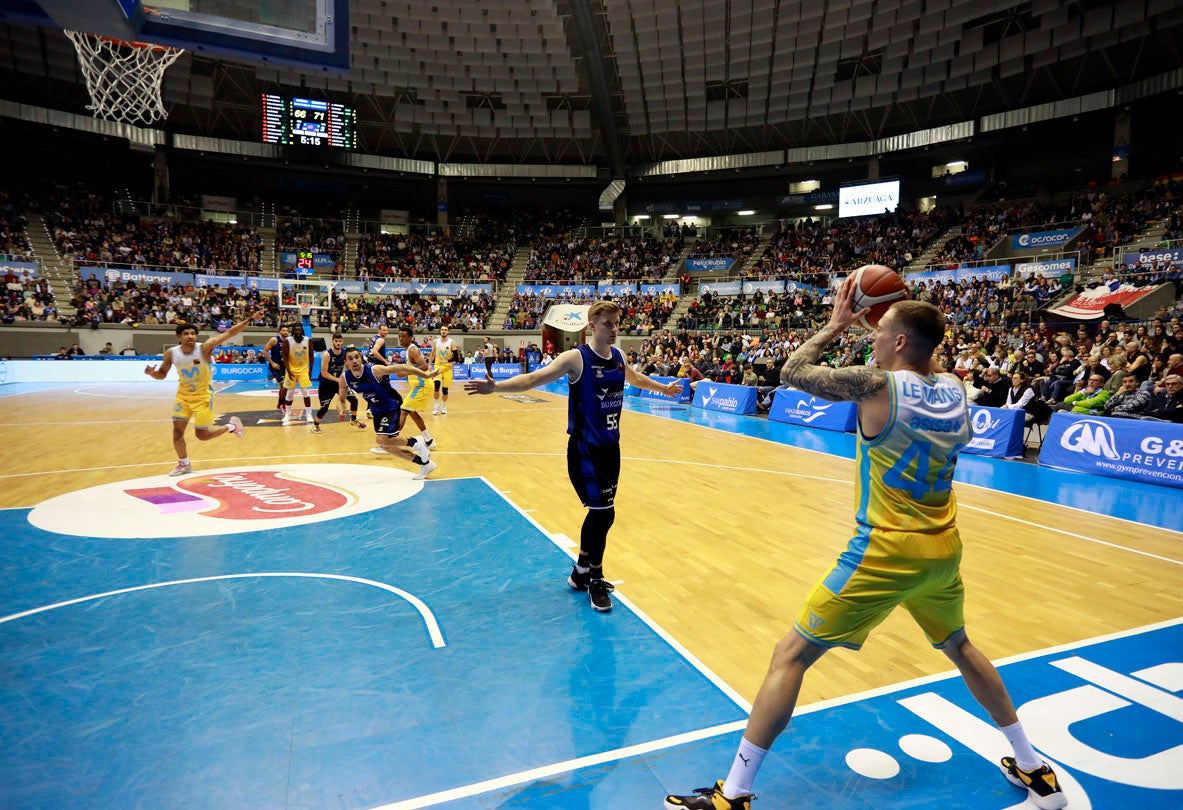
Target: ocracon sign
(225, 501)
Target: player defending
(332, 363)
(442, 352)
(374, 383)
(597, 373)
(273, 352)
(415, 402)
(195, 396)
(377, 353)
(297, 358)
(913, 421)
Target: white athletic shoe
(236, 428)
(180, 469)
(380, 451)
(443, 409)
(308, 416)
(436, 411)
(287, 420)
(425, 471)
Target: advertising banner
(264, 284)
(241, 371)
(501, 371)
(750, 287)
(644, 393)
(661, 289)
(1043, 239)
(1120, 448)
(606, 288)
(112, 275)
(1053, 268)
(22, 269)
(1153, 257)
(1090, 304)
(567, 317)
(425, 288)
(721, 288)
(220, 281)
(558, 290)
(352, 287)
(935, 276)
(724, 397)
(709, 265)
(799, 408)
(998, 432)
(993, 272)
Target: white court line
(433, 628)
(619, 754)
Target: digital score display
(307, 122)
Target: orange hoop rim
(144, 46)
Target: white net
(305, 309)
(123, 78)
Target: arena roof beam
(590, 37)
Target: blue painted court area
(286, 692)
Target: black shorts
(386, 424)
(326, 391)
(278, 376)
(594, 472)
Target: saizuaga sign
(1122, 448)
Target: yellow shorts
(444, 380)
(202, 413)
(874, 575)
(301, 379)
(417, 396)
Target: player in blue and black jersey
(332, 365)
(597, 373)
(273, 352)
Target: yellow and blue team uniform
(195, 393)
(299, 362)
(906, 549)
(418, 392)
(443, 362)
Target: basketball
(876, 288)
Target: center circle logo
(231, 500)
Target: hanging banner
(709, 265)
(997, 432)
(661, 289)
(993, 272)
(1120, 448)
(1090, 304)
(800, 408)
(935, 276)
(567, 317)
(1153, 257)
(1043, 239)
(750, 287)
(607, 288)
(1053, 268)
(721, 288)
(111, 275)
(26, 270)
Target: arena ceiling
(618, 83)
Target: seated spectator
(1167, 402)
(1021, 395)
(1131, 401)
(1090, 399)
(1061, 376)
(107, 349)
(988, 388)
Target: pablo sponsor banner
(725, 397)
(318, 260)
(426, 288)
(112, 275)
(355, 287)
(1053, 268)
(660, 289)
(241, 371)
(1153, 257)
(645, 393)
(1043, 239)
(722, 288)
(799, 408)
(750, 287)
(1090, 304)
(709, 265)
(997, 432)
(1121, 448)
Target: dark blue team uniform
(593, 422)
(276, 354)
(384, 401)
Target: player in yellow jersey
(195, 396)
(912, 423)
(297, 359)
(442, 351)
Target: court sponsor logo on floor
(224, 501)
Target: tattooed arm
(852, 384)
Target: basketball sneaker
(308, 417)
(1041, 784)
(357, 423)
(436, 411)
(425, 470)
(181, 469)
(236, 428)
(443, 408)
(287, 418)
(577, 580)
(314, 428)
(379, 451)
(711, 798)
(599, 592)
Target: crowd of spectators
(466, 313)
(25, 298)
(436, 257)
(733, 242)
(325, 236)
(582, 260)
(14, 243)
(97, 301)
(640, 313)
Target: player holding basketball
(195, 396)
(332, 363)
(273, 352)
(906, 550)
(442, 353)
(374, 383)
(297, 359)
(597, 373)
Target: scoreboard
(307, 122)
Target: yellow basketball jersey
(443, 351)
(298, 356)
(905, 474)
(194, 374)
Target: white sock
(748, 760)
(1025, 755)
(426, 434)
(184, 460)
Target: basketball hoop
(305, 309)
(123, 78)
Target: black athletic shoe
(599, 592)
(577, 580)
(711, 798)
(1041, 784)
